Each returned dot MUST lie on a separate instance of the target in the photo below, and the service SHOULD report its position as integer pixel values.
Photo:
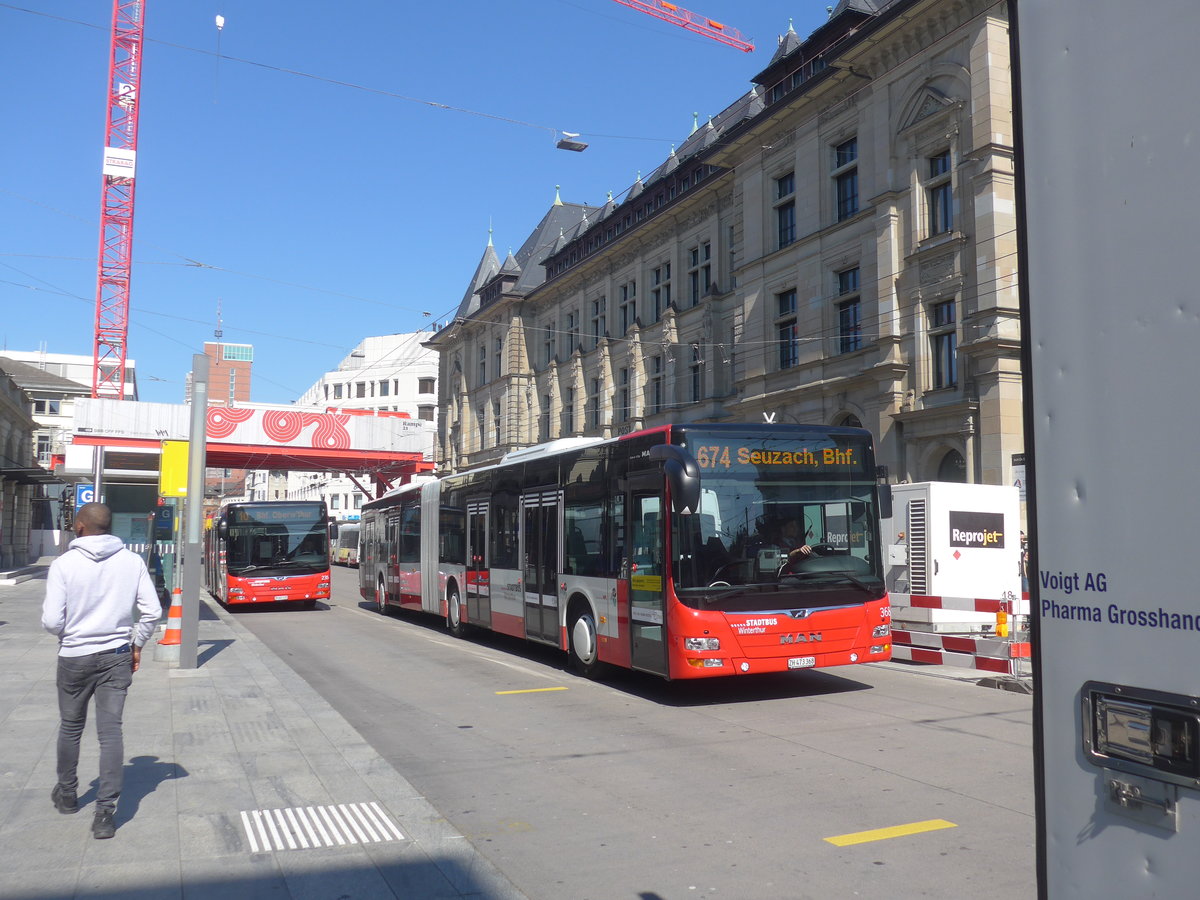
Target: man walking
(91, 591)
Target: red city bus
(268, 552)
(665, 551)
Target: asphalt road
(867, 781)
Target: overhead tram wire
(300, 73)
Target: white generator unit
(946, 539)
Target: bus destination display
(728, 456)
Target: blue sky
(325, 212)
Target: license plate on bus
(802, 662)
(282, 597)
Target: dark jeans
(107, 677)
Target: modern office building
(230, 367)
(385, 375)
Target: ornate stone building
(838, 246)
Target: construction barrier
(985, 654)
(173, 633)
(972, 649)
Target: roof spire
(489, 243)
(695, 120)
(557, 198)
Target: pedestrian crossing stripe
(304, 828)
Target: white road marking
(348, 823)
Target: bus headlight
(881, 631)
(708, 663)
(702, 643)
(879, 648)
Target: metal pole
(189, 626)
(97, 473)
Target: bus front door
(540, 545)
(647, 583)
(479, 601)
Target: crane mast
(116, 204)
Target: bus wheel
(454, 622)
(585, 651)
(381, 598)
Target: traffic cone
(174, 619)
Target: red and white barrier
(984, 653)
(964, 604)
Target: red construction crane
(116, 203)
(694, 22)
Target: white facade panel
(1110, 154)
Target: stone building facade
(19, 473)
(836, 247)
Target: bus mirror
(683, 476)
(885, 501)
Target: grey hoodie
(91, 591)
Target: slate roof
(31, 378)
(489, 265)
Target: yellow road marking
(532, 691)
(882, 834)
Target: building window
(599, 319)
(496, 420)
(696, 371)
(699, 272)
(425, 413)
(624, 412)
(572, 332)
(43, 448)
(499, 355)
(939, 195)
(383, 387)
(593, 412)
(425, 385)
(628, 293)
(845, 178)
(548, 342)
(47, 407)
(787, 329)
(849, 312)
(568, 412)
(337, 392)
(480, 431)
(544, 420)
(482, 364)
(785, 210)
(660, 293)
(943, 337)
(655, 387)
(335, 501)
(360, 389)
(237, 352)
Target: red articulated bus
(268, 552)
(665, 550)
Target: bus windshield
(292, 537)
(761, 501)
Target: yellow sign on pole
(173, 469)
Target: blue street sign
(84, 493)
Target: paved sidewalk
(231, 769)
